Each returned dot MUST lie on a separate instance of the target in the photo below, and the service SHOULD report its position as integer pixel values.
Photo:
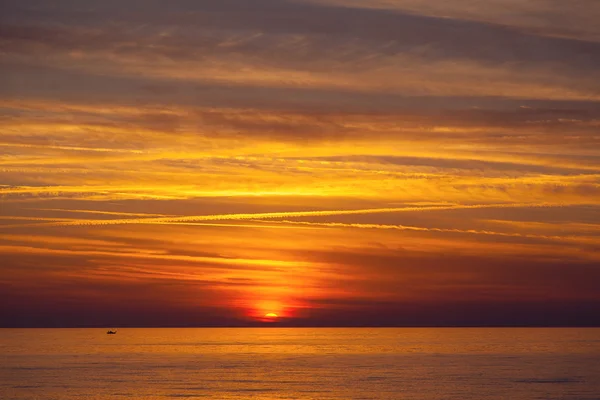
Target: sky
(333, 162)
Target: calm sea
(291, 363)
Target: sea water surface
(308, 363)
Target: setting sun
(271, 315)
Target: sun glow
(270, 311)
(268, 308)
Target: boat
(111, 332)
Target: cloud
(144, 255)
(276, 215)
(540, 17)
(282, 44)
(324, 155)
(102, 212)
(443, 230)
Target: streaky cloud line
(288, 224)
(532, 224)
(71, 148)
(26, 218)
(285, 214)
(225, 225)
(80, 193)
(240, 262)
(103, 212)
(440, 230)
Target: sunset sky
(334, 162)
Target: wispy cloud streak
(277, 215)
(442, 230)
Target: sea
(301, 363)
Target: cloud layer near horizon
(321, 159)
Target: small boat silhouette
(111, 332)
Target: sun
(269, 311)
